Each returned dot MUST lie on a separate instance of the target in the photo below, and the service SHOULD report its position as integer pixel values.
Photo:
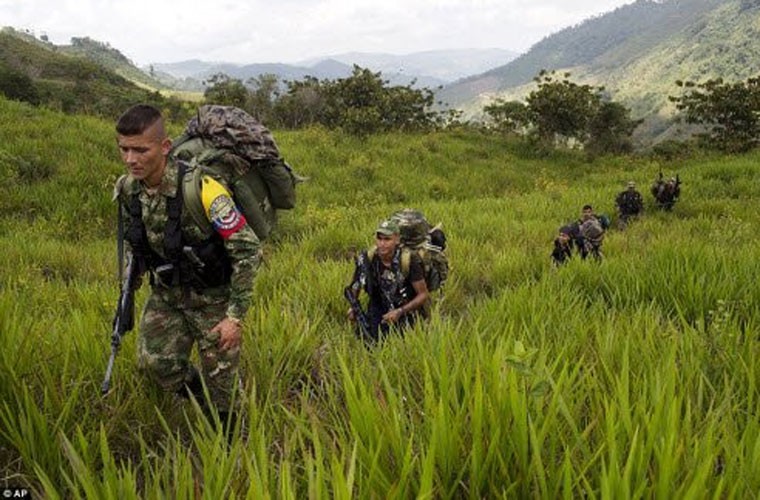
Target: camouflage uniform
(389, 288)
(176, 316)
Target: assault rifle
(124, 320)
(361, 317)
(351, 293)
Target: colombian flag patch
(221, 209)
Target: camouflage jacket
(240, 242)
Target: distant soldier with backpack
(666, 193)
(590, 233)
(629, 204)
(201, 266)
(563, 245)
(394, 279)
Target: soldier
(563, 246)
(590, 234)
(201, 287)
(394, 279)
(666, 193)
(629, 204)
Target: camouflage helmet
(413, 226)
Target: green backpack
(228, 144)
(428, 242)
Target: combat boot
(193, 386)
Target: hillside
(110, 58)
(86, 77)
(636, 52)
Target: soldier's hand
(393, 315)
(230, 333)
(351, 315)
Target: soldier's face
(145, 154)
(386, 245)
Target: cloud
(291, 30)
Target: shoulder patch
(220, 208)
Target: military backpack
(228, 144)
(428, 242)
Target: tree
(226, 91)
(264, 91)
(730, 112)
(508, 116)
(18, 86)
(610, 130)
(560, 109)
(359, 104)
(303, 104)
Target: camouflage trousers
(172, 322)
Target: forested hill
(84, 77)
(636, 51)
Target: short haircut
(587, 207)
(138, 119)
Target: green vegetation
(561, 111)
(360, 104)
(634, 378)
(65, 79)
(729, 111)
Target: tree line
(558, 112)
(362, 103)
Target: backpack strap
(173, 241)
(191, 197)
(406, 260)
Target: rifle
(361, 280)
(124, 320)
(359, 314)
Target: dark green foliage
(264, 91)
(508, 116)
(730, 112)
(226, 91)
(610, 130)
(560, 109)
(18, 86)
(360, 104)
(563, 111)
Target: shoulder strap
(191, 196)
(406, 259)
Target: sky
(289, 31)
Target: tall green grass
(636, 377)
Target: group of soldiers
(201, 266)
(587, 233)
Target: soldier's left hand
(230, 333)
(393, 315)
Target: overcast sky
(257, 31)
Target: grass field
(637, 377)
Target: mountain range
(637, 52)
(430, 69)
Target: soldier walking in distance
(666, 193)
(629, 204)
